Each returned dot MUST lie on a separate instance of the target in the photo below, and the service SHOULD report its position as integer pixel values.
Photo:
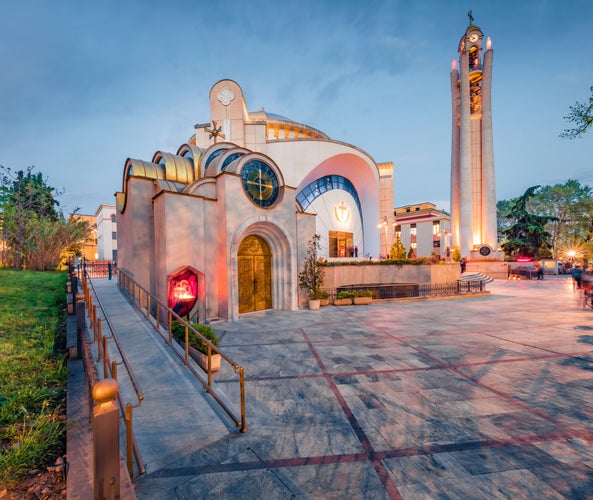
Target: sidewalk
(484, 397)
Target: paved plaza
(481, 397)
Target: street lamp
(384, 224)
(448, 244)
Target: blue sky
(85, 85)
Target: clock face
(473, 37)
(485, 251)
(260, 183)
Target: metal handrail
(122, 351)
(133, 289)
(110, 370)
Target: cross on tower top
(471, 17)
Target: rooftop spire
(471, 17)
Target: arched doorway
(255, 274)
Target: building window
(324, 184)
(413, 229)
(436, 244)
(436, 228)
(113, 218)
(114, 235)
(340, 244)
(398, 232)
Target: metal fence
(387, 291)
(96, 268)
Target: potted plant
(344, 298)
(311, 277)
(198, 349)
(363, 298)
(324, 299)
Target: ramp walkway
(176, 416)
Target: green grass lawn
(32, 371)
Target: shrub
(195, 341)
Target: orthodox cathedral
(220, 227)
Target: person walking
(577, 275)
(462, 264)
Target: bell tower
(473, 193)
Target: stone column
(465, 161)
(489, 225)
(455, 155)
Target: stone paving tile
(420, 469)
(334, 481)
(570, 481)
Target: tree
(581, 115)
(34, 233)
(526, 235)
(570, 208)
(397, 250)
(312, 276)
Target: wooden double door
(255, 275)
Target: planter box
(362, 301)
(324, 302)
(342, 302)
(202, 359)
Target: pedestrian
(577, 275)
(462, 264)
(540, 273)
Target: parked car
(524, 272)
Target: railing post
(129, 440)
(99, 339)
(209, 365)
(105, 357)
(158, 316)
(94, 320)
(106, 479)
(186, 345)
(242, 390)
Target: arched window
(309, 193)
(214, 155)
(229, 159)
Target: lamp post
(384, 224)
(448, 244)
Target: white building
(424, 229)
(106, 225)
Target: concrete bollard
(106, 440)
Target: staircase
(475, 276)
